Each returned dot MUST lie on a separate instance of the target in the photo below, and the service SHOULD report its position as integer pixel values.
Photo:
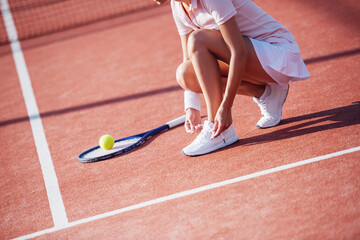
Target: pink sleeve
(220, 10)
(181, 27)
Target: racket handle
(176, 122)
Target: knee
(196, 42)
(184, 74)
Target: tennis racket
(125, 145)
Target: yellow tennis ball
(106, 142)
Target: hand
(222, 121)
(193, 120)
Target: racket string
(118, 146)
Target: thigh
(254, 72)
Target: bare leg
(208, 72)
(187, 79)
(208, 68)
(250, 89)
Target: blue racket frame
(143, 137)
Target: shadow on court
(332, 56)
(154, 92)
(308, 124)
(92, 105)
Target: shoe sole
(232, 141)
(277, 123)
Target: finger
(187, 126)
(215, 129)
(219, 130)
(191, 126)
(199, 126)
(215, 126)
(217, 133)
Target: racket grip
(176, 122)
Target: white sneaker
(203, 144)
(271, 105)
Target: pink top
(253, 22)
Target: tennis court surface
(60, 91)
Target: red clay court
(61, 91)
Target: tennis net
(35, 18)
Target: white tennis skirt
(282, 61)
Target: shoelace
(263, 110)
(203, 136)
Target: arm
(184, 39)
(239, 54)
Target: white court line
(191, 192)
(51, 183)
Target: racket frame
(143, 137)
